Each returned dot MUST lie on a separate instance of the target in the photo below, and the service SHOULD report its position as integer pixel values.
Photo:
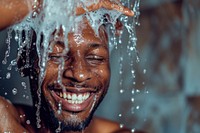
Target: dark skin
(86, 64)
(86, 70)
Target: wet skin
(85, 73)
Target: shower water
(54, 16)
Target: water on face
(60, 15)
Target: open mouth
(73, 98)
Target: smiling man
(84, 79)
(74, 84)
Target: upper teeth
(74, 98)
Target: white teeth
(69, 101)
(74, 98)
(64, 95)
(69, 96)
(61, 95)
(80, 97)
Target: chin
(68, 120)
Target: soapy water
(53, 16)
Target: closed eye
(58, 58)
(95, 59)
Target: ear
(118, 27)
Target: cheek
(104, 75)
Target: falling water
(44, 22)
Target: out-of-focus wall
(169, 50)
(169, 45)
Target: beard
(72, 123)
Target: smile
(73, 98)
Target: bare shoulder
(10, 117)
(6, 105)
(101, 125)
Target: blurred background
(165, 94)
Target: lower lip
(73, 107)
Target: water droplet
(28, 122)
(138, 107)
(144, 71)
(138, 91)
(120, 115)
(120, 72)
(5, 93)
(121, 125)
(14, 91)
(132, 71)
(24, 84)
(16, 37)
(58, 130)
(4, 62)
(8, 75)
(132, 48)
(121, 91)
(132, 110)
(132, 99)
(133, 130)
(34, 14)
(59, 108)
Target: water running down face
(71, 93)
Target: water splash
(8, 41)
(58, 130)
(8, 75)
(24, 85)
(45, 22)
(59, 111)
(14, 91)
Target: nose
(77, 71)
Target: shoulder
(101, 125)
(6, 107)
(14, 110)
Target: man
(67, 105)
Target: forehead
(83, 35)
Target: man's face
(76, 81)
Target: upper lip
(72, 89)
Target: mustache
(74, 85)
